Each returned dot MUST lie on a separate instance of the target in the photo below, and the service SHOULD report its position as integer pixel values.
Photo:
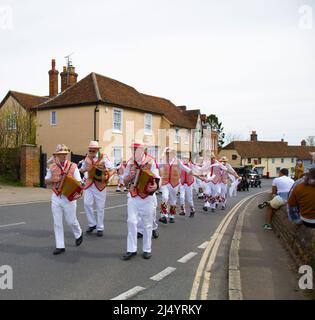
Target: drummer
(60, 205)
(95, 190)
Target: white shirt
(76, 174)
(105, 161)
(283, 184)
(154, 169)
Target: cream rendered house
(113, 113)
(268, 157)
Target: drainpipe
(95, 111)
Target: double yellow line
(203, 273)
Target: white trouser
(121, 183)
(223, 191)
(186, 193)
(140, 209)
(169, 194)
(198, 184)
(91, 194)
(212, 190)
(154, 224)
(61, 206)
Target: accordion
(70, 188)
(99, 174)
(143, 179)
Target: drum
(71, 188)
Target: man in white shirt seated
(281, 187)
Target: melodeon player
(97, 169)
(61, 206)
(142, 173)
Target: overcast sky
(250, 62)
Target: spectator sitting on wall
(281, 187)
(303, 196)
(294, 211)
(298, 170)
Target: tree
(310, 141)
(217, 126)
(230, 137)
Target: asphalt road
(95, 269)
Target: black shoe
(139, 235)
(212, 210)
(182, 213)
(192, 214)
(155, 234)
(129, 255)
(99, 233)
(90, 229)
(172, 220)
(163, 220)
(118, 190)
(58, 251)
(263, 205)
(146, 255)
(79, 240)
(205, 209)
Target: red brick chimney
(303, 143)
(53, 79)
(254, 136)
(68, 77)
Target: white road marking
(12, 224)
(109, 208)
(187, 257)
(129, 294)
(203, 272)
(163, 274)
(22, 203)
(204, 245)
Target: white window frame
(121, 154)
(187, 136)
(176, 136)
(153, 151)
(121, 120)
(147, 116)
(11, 122)
(51, 118)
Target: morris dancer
(186, 184)
(227, 177)
(120, 170)
(95, 187)
(170, 176)
(140, 205)
(60, 205)
(199, 184)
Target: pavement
(267, 271)
(95, 269)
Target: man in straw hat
(97, 169)
(140, 203)
(186, 184)
(228, 176)
(60, 205)
(170, 176)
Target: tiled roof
(26, 100)
(269, 149)
(175, 115)
(96, 88)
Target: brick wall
(297, 239)
(30, 165)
